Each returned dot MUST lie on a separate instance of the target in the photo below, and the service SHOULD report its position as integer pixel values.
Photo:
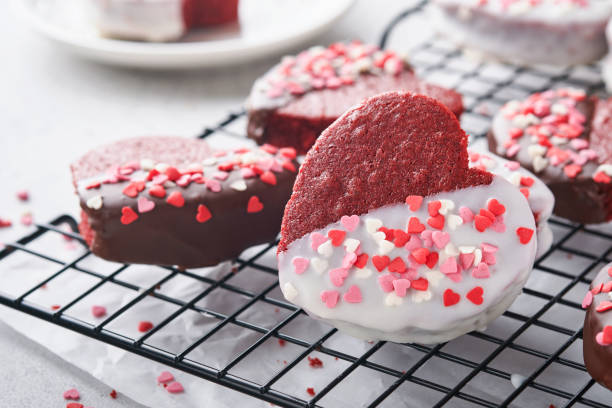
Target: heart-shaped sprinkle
(426, 237)
(397, 265)
(74, 405)
(400, 238)
(436, 222)
(384, 247)
(95, 202)
(449, 266)
(466, 249)
(268, 177)
(477, 256)
(415, 226)
(488, 248)
(128, 215)
(466, 214)
(72, 394)
(289, 291)
(432, 259)
(349, 222)
(98, 311)
(325, 249)
(413, 243)
(588, 299)
(373, 224)
(466, 260)
(176, 199)
(254, 205)
(132, 189)
(414, 202)
(434, 278)
(362, 260)
(378, 236)
(349, 259)
(165, 377)
(420, 284)
(475, 295)
(607, 334)
(450, 298)
(386, 282)
(420, 255)
(175, 387)
(380, 262)
(433, 208)
(337, 237)
(319, 265)
(300, 265)
(455, 277)
(489, 258)
(604, 306)
(351, 244)
(496, 207)
(524, 235)
(144, 326)
(421, 296)
(353, 295)
(145, 205)
(400, 286)
(172, 173)
(157, 191)
(316, 239)
(440, 238)
(392, 300)
(447, 205)
(330, 298)
(481, 223)
(363, 273)
(451, 250)
(238, 185)
(454, 221)
(481, 271)
(203, 214)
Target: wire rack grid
(485, 86)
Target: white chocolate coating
(562, 32)
(606, 65)
(541, 199)
(145, 20)
(418, 315)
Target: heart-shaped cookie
(397, 165)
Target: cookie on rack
(389, 234)
(159, 20)
(539, 196)
(174, 201)
(597, 333)
(301, 96)
(563, 32)
(565, 138)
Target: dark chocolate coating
(168, 235)
(598, 358)
(580, 199)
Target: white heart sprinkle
(453, 221)
(466, 249)
(373, 224)
(477, 256)
(536, 150)
(515, 178)
(539, 164)
(384, 247)
(487, 162)
(351, 244)
(161, 167)
(393, 300)
(238, 185)
(379, 236)
(289, 291)
(421, 296)
(319, 265)
(147, 164)
(606, 168)
(326, 249)
(610, 295)
(169, 184)
(451, 250)
(446, 206)
(434, 277)
(517, 380)
(95, 202)
(366, 273)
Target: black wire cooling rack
(485, 86)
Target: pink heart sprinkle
(213, 185)
(413, 243)
(466, 260)
(411, 274)
(498, 225)
(145, 205)
(71, 394)
(600, 339)
(330, 298)
(353, 295)
(588, 299)
(160, 179)
(175, 387)
(317, 239)
(401, 286)
(449, 266)
(466, 214)
(481, 271)
(349, 259)
(440, 238)
(512, 165)
(247, 172)
(455, 277)
(350, 223)
(221, 175)
(165, 377)
(488, 248)
(98, 311)
(513, 150)
(489, 258)
(386, 282)
(300, 264)
(579, 144)
(426, 237)
(337, 276)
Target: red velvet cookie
(389, 234)
(174, 201)
(297, 99)
(565, 138)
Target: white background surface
(54, 107)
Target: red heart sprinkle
(420, 255)
(475, 295)
(524, 191)
(496, 207)
(527, 181)
(362, 260)
(610, 272)
(172, 173)
(433, 207)
(71, 394)
(144, 326)
(176, 199)
(415, 226)
(132, 189)
(572, 170)
(436, 222)
(482, 223)
(336, 236)
(488, 214)
(432, 259)
(74, 405)
(254, 205)
(607, 334)
(597, 289)
(451, 298)
(310, 391)
(524, 234)
(175, 387)
(157, 191)
(420, 284)
(414, 202)
(203, 214)
(400, 238)
(601, 177)
(128, 215)
(604, 306)
(113, 394)
(268, 177)
(380, 262)
(388, 233)
(397, 265)
(288, 152)
(98, 311)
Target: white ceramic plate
(266, 27)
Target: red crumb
(281, 342)
(113, 394)
(23, 195)
(144, 326)
(5, 222)
(310, 391)
(55, 307)
(26, 219)
(314, 362)
(74, 405)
